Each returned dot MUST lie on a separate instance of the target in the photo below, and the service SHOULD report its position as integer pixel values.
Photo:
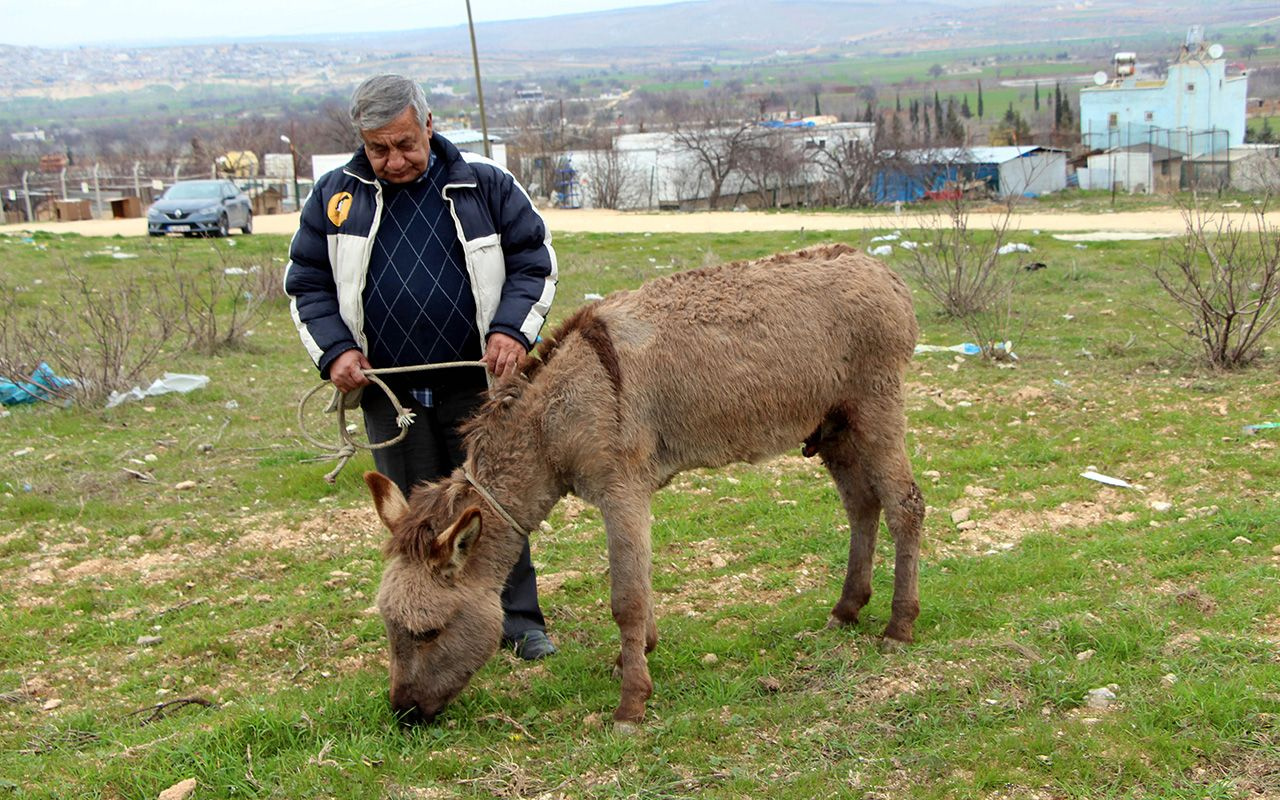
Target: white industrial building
(657, 172)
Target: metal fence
(99, 193)
(1213, 141)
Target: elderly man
(417, 253)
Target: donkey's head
(442, 626)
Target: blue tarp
(44, 385)
(910, 184)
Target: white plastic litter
(1107, 479)
(888, 237)
(592, 296)
(1014, 247)
(908, 245)
(882, 250)
(170, 382)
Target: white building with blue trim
(1196, 109)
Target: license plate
(179, 228)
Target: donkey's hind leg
(868, 461)
(863, 511)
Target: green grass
(260, 580)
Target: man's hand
(502, 354)
(345, 370)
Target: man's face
(400, 149)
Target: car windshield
(195, 190)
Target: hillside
(720, 26)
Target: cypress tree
(1037, 95)
(897, 102)
(979, 99)
(965, 111)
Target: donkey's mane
(587, 324)
(594, 331)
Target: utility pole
(475, 60)
(26, 197)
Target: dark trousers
(432, 450)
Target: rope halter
(494, 504)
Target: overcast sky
(65, 23)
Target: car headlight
(213, 209)
(154, 213)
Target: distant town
(711, 128)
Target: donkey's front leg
(626, 522)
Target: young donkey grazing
(698, 369)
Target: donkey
(703, 368)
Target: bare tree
(716, 135)
(772, 165)
(331, 129)
(851, 165)
(537, 148)
(614, 180)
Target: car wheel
(223, 228)
(248, 225)
(155, 233)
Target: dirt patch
(698, 595)
(1003, 530)
(337, 531)
(552, 584)
(148, 568)
(343, 527)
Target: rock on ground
(179, 791)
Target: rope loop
(347, 445)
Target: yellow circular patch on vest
(339, 208)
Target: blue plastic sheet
(43, 385)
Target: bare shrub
(1226, 280)
(112, 339)
(963, 273)
(105, 339)
(220, 303)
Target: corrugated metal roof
(973, 155)
(467, 136)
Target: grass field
(251, 590)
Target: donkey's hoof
(624, 728)
(834, 623)
(888, 645)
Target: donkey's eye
(423, 637)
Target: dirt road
(601, 221)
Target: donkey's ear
(387, 499)
(453, 547)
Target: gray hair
(380, 99)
